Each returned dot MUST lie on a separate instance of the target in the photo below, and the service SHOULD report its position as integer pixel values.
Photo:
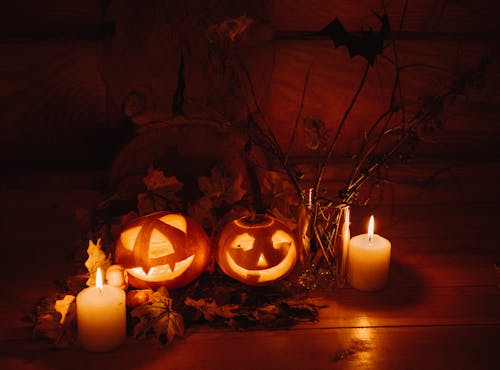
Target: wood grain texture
(333, 79)
(59, 98)
(350, 348)
(52, 103)
(144, 58)
(421, 16)
(57, 20)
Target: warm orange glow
(371, 227)
(98, 279)
(256, 251)
(162, 249)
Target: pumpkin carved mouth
(162, 272)
(264, 274)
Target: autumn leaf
(315, 133)
(222, 185)
(156, 179)
(202, 210)
(230, 28)
(62, 306)
(156, 318)
(210, 309)
(49, 324)
(161, 193)
(149, 203)
(97, 258)
(279, 196)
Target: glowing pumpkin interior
(163, 249)
(256, 251)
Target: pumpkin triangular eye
(281, 240)
(159, 245)
(244, 242)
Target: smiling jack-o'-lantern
(163, 248)
(256, 250)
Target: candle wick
(370, 238)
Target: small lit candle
(101, 316)
(368, 260)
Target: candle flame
(371, 227)
(98, 279)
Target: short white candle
(368, 260)
(101, 316)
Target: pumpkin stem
(253, 216)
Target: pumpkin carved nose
(262, 262)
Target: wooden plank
(462, 347)
(52, 104)
(333, 79)
(51, 202)
(426, 15)
(421, 306)
(142, 62)
(55, 19)
(429, 221)
(419, 181)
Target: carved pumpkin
(256, 250)
(163, 248)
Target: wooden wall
(70, 71)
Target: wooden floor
(440, 311)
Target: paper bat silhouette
(367, 44)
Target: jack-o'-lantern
(163, 248)
(256, 250)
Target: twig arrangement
(393, 134)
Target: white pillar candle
(101, 316)
(368, 260)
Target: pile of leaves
(162, 315)
(221, 301)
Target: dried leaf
(255, 312)
(156, 179)
(202, 210)
(156, 318)
(97, 258)
(161, 193)
(210, 309)
(266, 314)
(356, 346)
(279, 195)
(315, 133)
(222, 185)
(48, 324)
(62, 306)
(229, 28)
(149, 203)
